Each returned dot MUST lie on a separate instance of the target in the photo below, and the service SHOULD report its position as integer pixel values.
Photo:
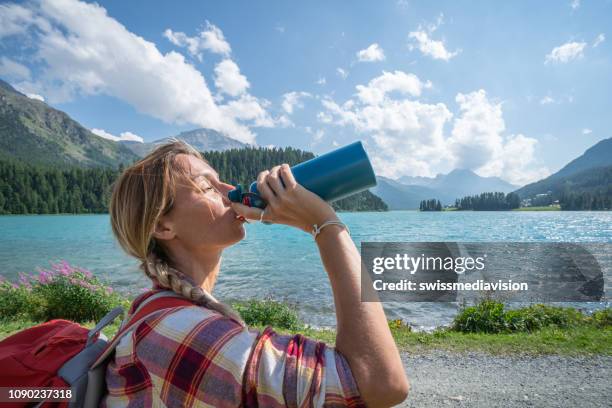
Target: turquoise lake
(283, 262)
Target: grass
(584, 339)
(540, 208)
(575, 341)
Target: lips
(238, 216)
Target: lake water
(284, 262)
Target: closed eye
(206, 187)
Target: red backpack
(62, 353)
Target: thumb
(252, 213)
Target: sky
(508, 89)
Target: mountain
(407, 192)
(399, 196)
(415, 180)
(462, 182)
(589, 172)
(33, 132)
(598, 155)
(202, 139)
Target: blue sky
(508, 89)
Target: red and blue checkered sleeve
(294, 370)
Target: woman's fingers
(274, 181)
(287, 176)
(264, 189)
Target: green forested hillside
(589, 189)
(36, 189)
(586, 190)
(585, 183)
(27, 189)
(32, 131)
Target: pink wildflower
(24, 279)
(44, 277)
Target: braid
(170, 278)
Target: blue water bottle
(331, 176)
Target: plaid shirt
(194, 357)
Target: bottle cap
(235, 195)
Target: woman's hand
(290, 205)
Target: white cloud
(214, 41)
(575, 4)
(131, 136)
(325, 117)
(210, 39)
(321, 81)
(407, 136)
(402, 3)
(398, 81)
(182, 40)
(317, 136)
(228, 78)
(252, 109)
(86, 52)
(284, 122)
(125, 136)
(279, 28)
(13, 69)
(371, 54)
(291, 100)
(428, 46)
(586, 131)
(342, 73)
(566, 52)
(600, 38)
(35, 97)
(477, 142)
(15, 19)
(547, 100)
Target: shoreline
(521, 209)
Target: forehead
(195, 166)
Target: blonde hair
(142, 193)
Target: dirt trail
(440, 379)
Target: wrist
(319, 220)
(318, 229)
(329, 231)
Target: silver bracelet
(317, 229)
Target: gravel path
(440, 379)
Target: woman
(170, 210)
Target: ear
(164, 229)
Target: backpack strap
(152, 304)
(105, 321)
